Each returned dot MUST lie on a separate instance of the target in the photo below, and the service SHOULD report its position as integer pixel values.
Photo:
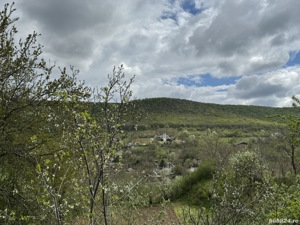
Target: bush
(179, 170)
(189, 185)
(285, 202)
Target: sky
(216, 51)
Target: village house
(164, 137)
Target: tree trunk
(293, 160)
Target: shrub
(190, 184)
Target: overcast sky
(217, 51)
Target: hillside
(168, 112)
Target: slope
(168, 112)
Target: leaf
(38, 167)
(47, 161)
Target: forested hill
(179, 112)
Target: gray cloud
(68, 16)
(255, 87)
(244, 29)
(159, 40)
(273, 87)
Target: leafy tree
(32, 121)
(238, 194)
(22, 90)
(284, 201)
(58, 150)
(292, 135)
(213, 147)
(240, 191)
(100, 139)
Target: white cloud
(272, 88)
(158, 40)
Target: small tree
(239, 191)
(285, 201)
(33, 121)
(58, 149)
(292, 135)
(24, 79)
(100, 137)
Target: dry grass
(152, 215)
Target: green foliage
(61, 153)
(57, 151)
(285, 201)
(99, 139)
(292, 135)
(31, 121)
(239, 191)
(246, 165)
(195, 186)
(235, 198)
(180, 113)
(179, 170)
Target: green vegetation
(73, 156)
(195, 187)
(176, 113)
